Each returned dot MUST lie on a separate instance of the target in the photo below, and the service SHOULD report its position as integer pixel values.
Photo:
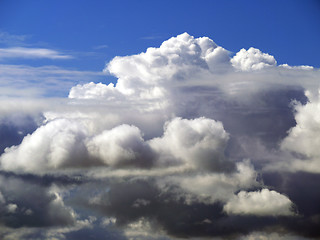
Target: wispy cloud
(41, 81)
(11, 39)
(31, 53)
(151, 37)
(100, 47)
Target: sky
(159, 120)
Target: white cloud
(33, 53)
(66, 143)
(95, 91)
(52, 146)
(198, 143)
(252, 59)
(260, 203)
(121, 146)
(304, 138)
(172, 119)
(302, 67)
(173, 61)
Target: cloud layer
(191, 142)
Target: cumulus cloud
(180, 146)
(92, 90)
(63, 144)
(252, 59)
(50, 147)
(146, 75)
(121, 146)
(261, 203)
(303, 139)
(199, 142)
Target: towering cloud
(190, 142)
(304, 139)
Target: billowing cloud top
(190, 142)
(252, 59)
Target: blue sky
(96, 31)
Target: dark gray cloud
(31, 205)
(131, 200)
(303, 189)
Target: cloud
(146, 74)
(261, 203)
(94, 91)
(32, 205)
(32, 82)
(179, 147)
(303, 140)
(63, 144)
(303, 67)
(100, 47)
(211, 187)
(199, 143)
(252, 59)
(51, 146)
(32, 53)
(267, 236)
(143, 229)
(14, 127)
(121, 146)
(11, 39)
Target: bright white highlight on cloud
(261, 203)
(147, 75)
(22, 52)
(94, 91)
(199, 143)
(304, 138)
(303, 67)
(55, 145)
(252, 59)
